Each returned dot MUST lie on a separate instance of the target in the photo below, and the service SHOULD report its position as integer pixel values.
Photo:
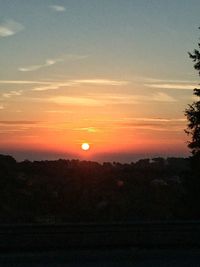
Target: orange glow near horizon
(109, 129)
(107, 137)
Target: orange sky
(114, 74)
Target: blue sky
(137, 37)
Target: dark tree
(193, 112)
(193, 130)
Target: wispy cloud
(94, 82)
(102, 99)
(59, 111)
(52, 86)
(173, 81)
(17, 122)
(162, 97)
(170, 84)
(48, 62)
(92, 100)
(12, 93)
(101, 82)
(153, 127)
(22, 82)
(98, 99)
(153, 124)
(158, 119)
(10, 27)
(83, 101)
(87, 129)
(1, 107)
(57, 8)
(181, 86)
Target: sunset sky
(111, 73)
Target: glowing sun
(85, 146)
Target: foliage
(63, 191)
(193, 112)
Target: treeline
(84, 191)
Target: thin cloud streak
(9, 28)
(49, 62)
(52, 86)
(94, 82)
(109, 99)
(171, 126)
(59, 111)
(22, 82)
(87, 129)
(12, 93)
(162, 97)
(49, 85)
(74, 101)
(159, 119)
(17, 122)
(171, 81)
(172, 86)
(101, 82)
(58, 8)
(92, 99)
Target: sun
(85, 146)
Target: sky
(112, 73)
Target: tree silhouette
(193, 112)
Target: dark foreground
(132, 244)
(102, 258)
(46, 237)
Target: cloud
(162, 97)
(22, 82)
(58, 111)
(158, 119)
(102, 99)
(52, 86)
(101, 82)
(17, 122)
(84, 101)
(57, 85)
(99, 99)
(148, 124)
(45, 88)
(153, 124)
(49, 62)
(171, 85)
(155, 80)
(58, 8)
(87, 129)
(9, 28)
(12, 93)
(1, 107)
(135, 99)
